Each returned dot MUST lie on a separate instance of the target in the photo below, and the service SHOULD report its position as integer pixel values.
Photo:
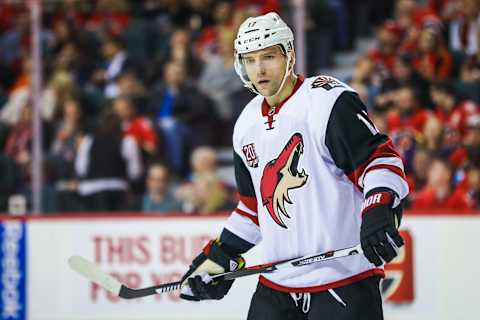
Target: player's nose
(261, 71)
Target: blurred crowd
(421, 82)
(139, 95)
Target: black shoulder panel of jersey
(242, 177)
(351, 136)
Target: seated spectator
(449, 109)
(383, 55)
(60, 88)
(105, 164)
(433, 134)
(207, 43)
(218, 78)
(468, 151)
(463, 30)
(432, 59)
(116, 62)
(179, 51)
(469, 188)
(19, 142)
(63, 150)
(361, 80)
(443, 97)
(438, 192)
(67, 133)
(135, 125)
(185, 116)
(406, 113)
(129, 85)
(417, 177)
(159, 196)
(404, 13)
(403, 74)
(205, 192)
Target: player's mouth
(263, 83)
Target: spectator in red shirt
(420, 164)
(452, 112)
(404, 13)
(469, 189)
(135, 125)
(406, 113)
(443, 97)
(433, 132)
(468, 151)
(207, 42)
(438, 193)
(403, 74)
(383, 56)
(433, 61)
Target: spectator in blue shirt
(159, 196)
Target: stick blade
(90, 271)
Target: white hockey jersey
(302, 169)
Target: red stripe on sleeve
(250, 202)
(385, 150)
(247, 215)
(390, 167)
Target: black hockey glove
(215, 258)
(378, 234)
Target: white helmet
(258, 33)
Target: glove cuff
(215, 251)
(378, 197)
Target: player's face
(266, 69)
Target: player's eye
(248, 60)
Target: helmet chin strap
(288, 69)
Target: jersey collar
(265, 105)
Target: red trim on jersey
(324, 287)
(390, 167)
(249, 216)
(385, 150)
(266, 106)
(249, 202)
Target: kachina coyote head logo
(281, 175)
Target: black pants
(105, 201)
(362, 302)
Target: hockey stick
(94, 274)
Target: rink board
(440, 280)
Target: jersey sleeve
(242, 230)
(365, 155)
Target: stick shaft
(130, 293)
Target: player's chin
(265, 91)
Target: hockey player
(314, 174)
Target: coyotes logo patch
(326, 83)
(281, 175)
